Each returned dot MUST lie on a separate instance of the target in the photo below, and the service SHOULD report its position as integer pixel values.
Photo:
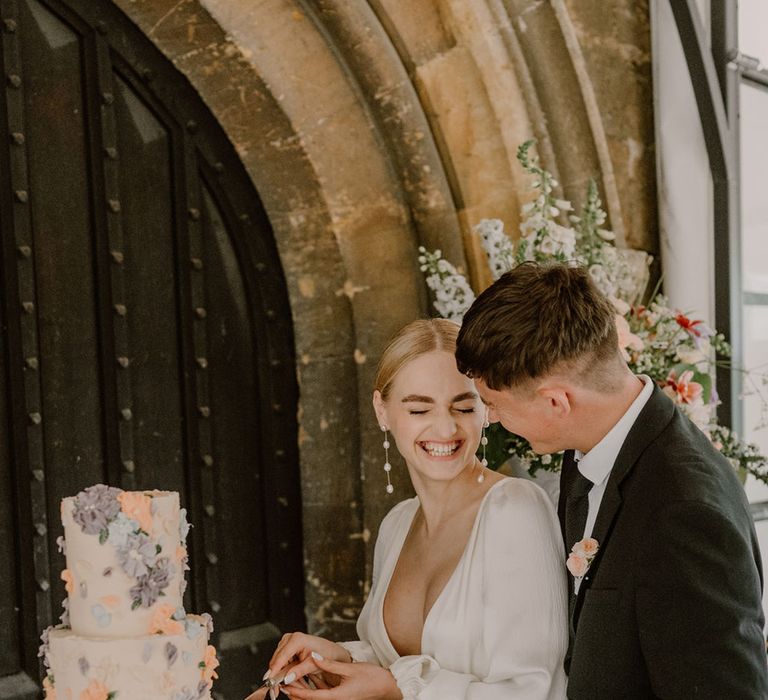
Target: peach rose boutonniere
(581, 556)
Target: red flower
(688, 325)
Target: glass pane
(753, 21)
(755, 359)
(754, 175)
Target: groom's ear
(557, 398)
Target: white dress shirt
(596, 465)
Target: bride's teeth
(441, 450)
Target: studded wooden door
(146, 337)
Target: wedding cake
(124, 633)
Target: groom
(666, 578)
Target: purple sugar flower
(64, 617)
(137, 556)
(43, 651)
(95, 507)
(186, 694)
(149, 587)
(171, 653)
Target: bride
(468, 598)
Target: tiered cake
(124, 632)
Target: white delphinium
(542, 238)
(453, 295)
(497, 245)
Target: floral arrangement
(675, 350)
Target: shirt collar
(596, 464)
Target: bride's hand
(357, 681)
(294, 655)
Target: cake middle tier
(125, 560)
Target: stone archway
(369, 128)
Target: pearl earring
(387, 465)
(483, 461)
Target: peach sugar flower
(209, 665)
(50, 691)
(110, 601)
(581, 556)
(69, 581)
(163, 623)
(96, 690)
(139, 507)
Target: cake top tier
(126, 558)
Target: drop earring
(484, 443)
(387, 465)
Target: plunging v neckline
(391, 572)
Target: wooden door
(146, 334)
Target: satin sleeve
(522, 610)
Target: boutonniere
(581, 556)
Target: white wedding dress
(498, 630)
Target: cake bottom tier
(156, 667)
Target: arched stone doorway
(146, 333)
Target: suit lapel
(654, 417)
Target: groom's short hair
(534, 319)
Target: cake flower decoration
(209, 664)
(96, 690)
(163, 623)
(50, 691)
(69, 581)
(150, 586)
(95, 507)
(137, 506)
(138, 555)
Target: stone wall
(370, 128)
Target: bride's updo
(411, 341)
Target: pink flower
(682, 389)
(588, 547)
(577, 565)
(627, 339)
(581, 556)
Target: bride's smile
(441, 450)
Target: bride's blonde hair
(411, 341)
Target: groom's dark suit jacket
(671, 605)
